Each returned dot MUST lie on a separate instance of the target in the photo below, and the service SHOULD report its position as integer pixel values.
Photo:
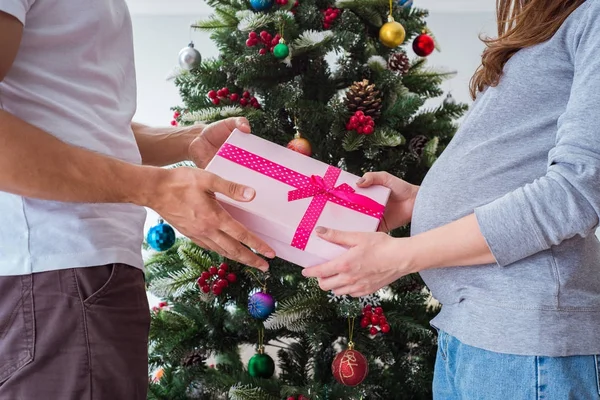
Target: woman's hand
(373, 261)
(400, 205)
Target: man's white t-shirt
(74, 77)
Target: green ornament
(281, 51)
(261, 365)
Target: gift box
(294, 195)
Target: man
(75, 174)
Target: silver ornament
(189, 57)
(449, 99)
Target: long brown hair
(521, 23)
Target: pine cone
(362, 96)
(193, 358)
(417, 145)
(399, 62)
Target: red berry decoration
(423, 45)
(374, 320)
(291, 398)
(361, 123)
(234, 97)
(216, 102)
(244, 102)
(350, 367)
(329, 16)
(216, 279)
(174, 123)
(212, 94)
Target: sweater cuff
(509, 228)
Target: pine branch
(247, 392)
(213, 114)
(353, 141)
(387, 137)
(224, 19)
(295, 313)
(311, 40)
(250, 21)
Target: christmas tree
(346, 83)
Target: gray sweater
(526, 160)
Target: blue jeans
(464, 372)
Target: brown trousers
(74, 334)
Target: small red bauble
(375, 319)
(385, 328)
(350, 368)
(174, 123)
(216, 102)
(423, 45)
(212, 270)
(300, 145)
(223, 266)
(373, 331)
(205, 288)
(231, 277)
(212, 94)
(364, 322)
(234, 97)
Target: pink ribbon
(321, 189)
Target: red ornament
(423, 45)
(244, 102)
(212, 94)
(350, 367)
(373, 331)
(223, 266)
(205, 288)
(212, 270)
(300, 145)
(379, 311)
(385, 328)
(216, 102)
(231, 277)
(222, 273)
(174, 123)
(176, 114)
(291, 398)
(234, 97)
(375, 319)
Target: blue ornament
(261, 5)
(261, 305)
(405, 3)
(161, 237)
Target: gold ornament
(392, 33)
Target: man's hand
(204, 147)
(185, 197)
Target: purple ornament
(261, 305)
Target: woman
(504, 224)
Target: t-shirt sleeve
(16, 8)
(565, 202)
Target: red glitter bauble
(350, 368)
(423, 45)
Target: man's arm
(198, 143)
(165, 146)
(35, 164)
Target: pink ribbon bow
(321, 189)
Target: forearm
(36, 164)
(164, 146)
(459, 243)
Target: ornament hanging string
(261, 339)
(351, 332)
(391, 8)
(260, 283)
